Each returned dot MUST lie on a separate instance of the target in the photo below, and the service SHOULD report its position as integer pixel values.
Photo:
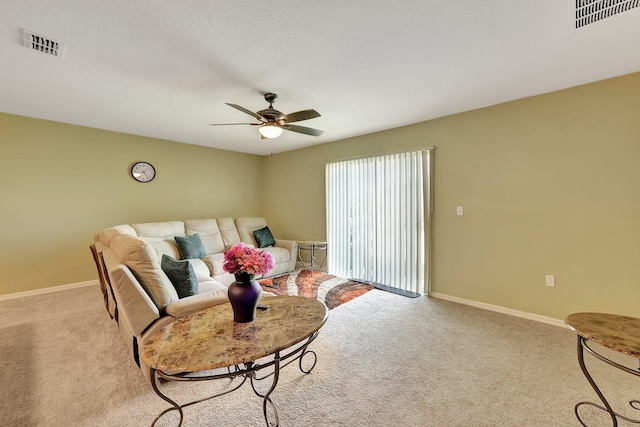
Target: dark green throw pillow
(181, 275)
(264, 237)
(191, 247)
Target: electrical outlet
(550, 280)
(459, 210)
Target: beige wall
(62, 183)
(549, 185)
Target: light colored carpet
(384, 360)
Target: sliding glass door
(378, 216)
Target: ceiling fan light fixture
(270, 131)
(271, 122)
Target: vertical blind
(376, 219)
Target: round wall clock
(143, 171)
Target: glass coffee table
(208, 340)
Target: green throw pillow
(264, 237)
(181, 275)
(191, 247)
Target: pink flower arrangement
(245, 259)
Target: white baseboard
(48, 290)
(499, 309)
(482, 305)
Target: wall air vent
(42, 44)
(590, 11)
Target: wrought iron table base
(583, 344)
(247, 371)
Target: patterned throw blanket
(327, 288)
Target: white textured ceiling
(165, 68)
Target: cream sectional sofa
(140, 296)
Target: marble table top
(210, 339)
(619, 333)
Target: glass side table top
(319, 244)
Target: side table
(312, 246)
(612, 331)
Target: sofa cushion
(164, 246)
(212, 285)
(105, 236)
(229, 232)
(209, 234)
(190, 246)
(201, 269)
(160, 235)
(143, 261)
(279, 254)
(246, 226)
(198, 302)
(181, 275)
(160, 229)
(214, 262)
(263, 237)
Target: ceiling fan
(272, 122)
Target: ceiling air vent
(42, 44)
(590, 11)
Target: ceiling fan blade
(303, 129)
(298, 116)
(249, 112)
(232, 124)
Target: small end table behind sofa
(312, 246)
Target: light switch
(459, 210)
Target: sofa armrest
(134, 305)
(290, 245)
(198, 302)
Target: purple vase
(244, 294)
